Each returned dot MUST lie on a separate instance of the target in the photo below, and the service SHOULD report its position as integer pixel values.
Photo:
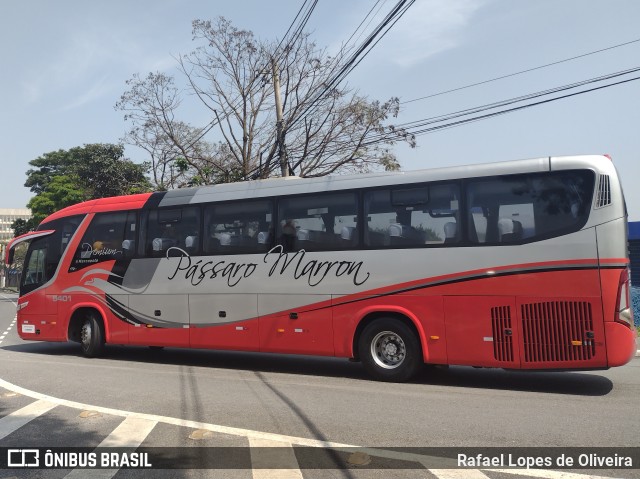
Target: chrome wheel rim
(388, 350)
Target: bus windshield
(45, 252)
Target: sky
(64, 66)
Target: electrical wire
(521, 72)
(291, 25)
(364, 20)
(277, 57)
(385, 25)
(511, 110)
(432, 129)
(435, 119)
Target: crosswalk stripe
(262, 461)
(130, 433)
(19, 418)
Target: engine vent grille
(603, 195)
(557, 331)
(502, 333)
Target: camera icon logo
(23, 458)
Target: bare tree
(326, 129)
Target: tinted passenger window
(318, 222)
(244, 227)
(110, 236)
(517, 208)
(171, 230)
(412, 216)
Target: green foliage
(21, 226)
(62, 191)
(63, 178)
(103, 171)
(46, 167)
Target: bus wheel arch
(86, 327)
(389, 346)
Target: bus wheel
(390, 350)
(91, 337)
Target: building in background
(7, 217)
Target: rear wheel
(91, 336)
(390, 350)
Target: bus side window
(239, 227)
(517, 208)
(320, 222)
(173, 232)
(103, 240)
(412, 216)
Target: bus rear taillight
(624, 313)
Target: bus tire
(91, 336)
(390, 350)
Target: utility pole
(282, 154)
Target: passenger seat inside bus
(305, 238)
(160, 245)
(129, 248)
(264, 237)
(349, 235)
(191, 244)
(400, 234)
(450, 232)
(509, 230)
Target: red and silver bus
(518, 265)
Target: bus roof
(296, 185)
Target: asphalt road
(305, 401)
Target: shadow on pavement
(570, 383)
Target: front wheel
(91, 337)
(390, 350)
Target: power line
(297, 32)
(511, 110)
(291, 25)
(468, 111)
(381, 36)
(365, 19)
(390, 19)
(432, 129)
(521, 72)
(361, 52)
